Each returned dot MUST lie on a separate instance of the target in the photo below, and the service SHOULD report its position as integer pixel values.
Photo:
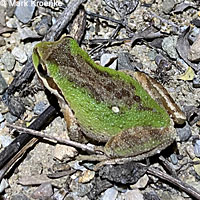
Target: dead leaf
(188, 75)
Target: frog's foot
(140, 142)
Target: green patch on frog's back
(98, 117)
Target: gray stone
(8, 60)
(194, 34)
(184, 133)
(40, 107)
(25, 10)
(196, 81)
(10, 11)
(3, 84)
(5, 140)
(19, 54)
(1, 118)
(12, 23)
(110, 194)
(3, 185)
(169, 46)
(2, 15)
(174, 159)
(168, 5)
(109, 60)
(26, 33)
(194, 52)
(2, 41)
(133, 194)
(10, 118)
(80, 189)
(43, 26)
(43, 191)
(197, 148)
(19, 197)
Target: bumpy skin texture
(91, 91)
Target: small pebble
(10, 10)
(3, 185)
(86, 176)
(43, 191)
(184, 133)
(169, 46)
(2, 41)
(5, 140)
(121, 188)
(194, 34)
(141, 183)
(110, 194)
(10, 118)
(19, 55)
(80, 189)
(60, 194)
(2, 15)
(174, 159)
(197, 148)
(19, 197)
(25, 11)
(1, 118)
(196, 81)
(124, 62)
(194, 52)
(43, 26)
(40, 107)
(8, 60)
(190, 151)
(62, 152)
(11, 23)
(168, 5)
(134, 194)
(197, 167)
(109, 60)
(3, 84)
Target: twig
(183, 186)
(19, 146)
(63, 20)
(60, 140)
(105, 17)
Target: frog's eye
(42, 70)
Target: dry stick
(60, 140)
(18, 147)
(183, 186)
(68, 13)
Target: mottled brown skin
(100, 84)
(135, 138)
(160, 94)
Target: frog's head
(45, 55)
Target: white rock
(110, 194)
(109, 60)
(3, 185)
(141, 183)
(63, 151)
(19, 55)
(133, 194)
(194, 52)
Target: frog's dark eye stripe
(42, 70)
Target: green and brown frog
(130, 112)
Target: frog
(129, 113)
